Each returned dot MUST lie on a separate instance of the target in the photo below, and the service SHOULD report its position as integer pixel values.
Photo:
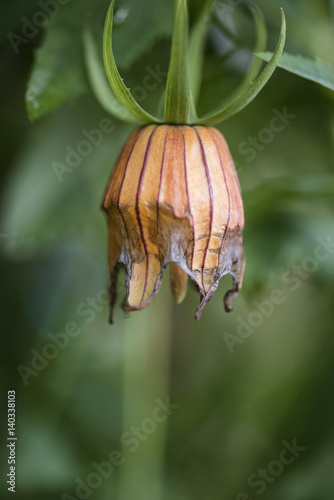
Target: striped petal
(174, 197)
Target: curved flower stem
(120, 90)
(146, 380)
(251, 91)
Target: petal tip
(141, 305)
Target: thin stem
(178, 93)
(146, 380)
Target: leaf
(58, 74)
(196, 49)
(253, 88)
(312, 69)
(178, 93)
(99, 82)
(121, 91)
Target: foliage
(314, 70)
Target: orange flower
(174, 197)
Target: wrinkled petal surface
(174, 196)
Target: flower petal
(137, 204)
(217, 212)
(174, 198)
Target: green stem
(178, 94)
(146, 379)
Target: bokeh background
(242, 384)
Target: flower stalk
(178, 93)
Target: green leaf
(121, 91)
(312, 69)
(178, 94)
(58, 74)
(196, 49)
(98, 80)
(252, 89)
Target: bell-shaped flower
(174, 196)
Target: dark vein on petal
(160, 184)
(207, 174)
(141, 229)
(126, 167)
(227, 191)
(188, 197)
(111, 180)
(123, 179)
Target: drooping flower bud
(174, 196)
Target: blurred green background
(240, 393)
